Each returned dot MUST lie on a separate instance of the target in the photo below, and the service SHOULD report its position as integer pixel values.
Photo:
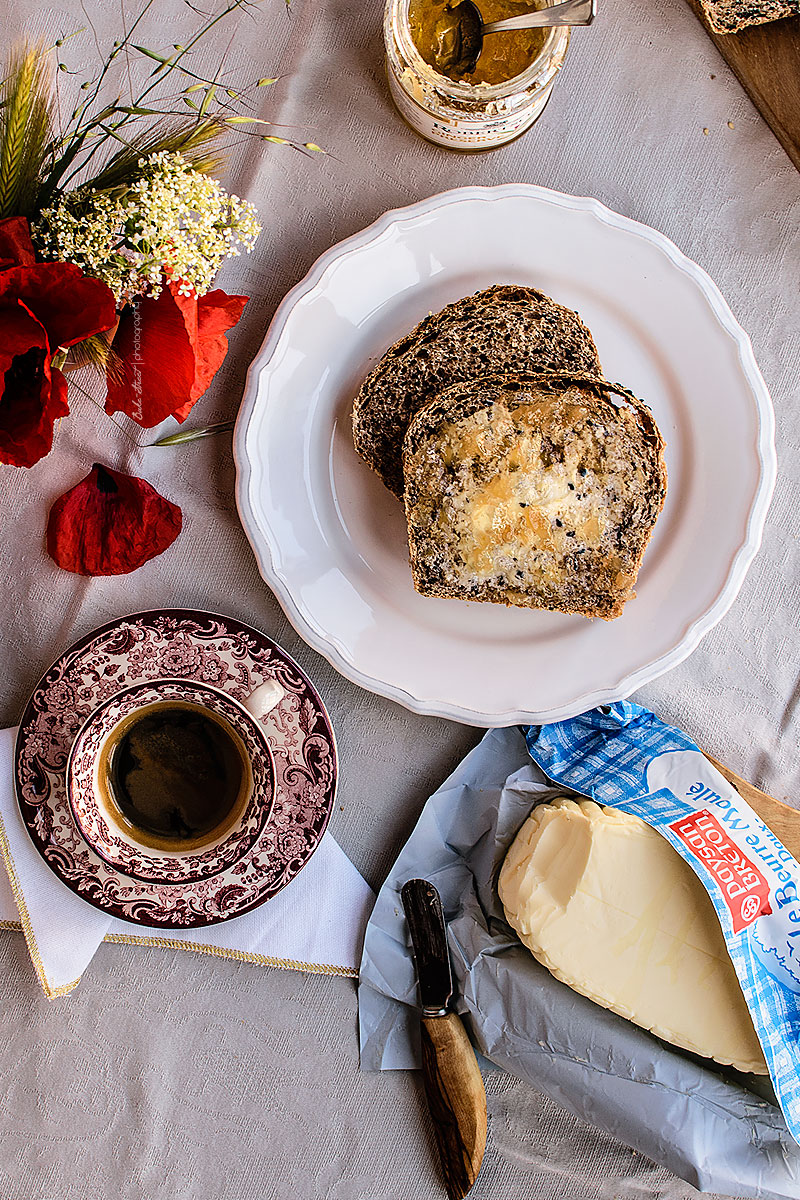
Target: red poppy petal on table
(16, 247)
(156, 361)
(110, 524)
(32, 394)
(71, 306)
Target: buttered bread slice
(539, 491)
(507, 327)
(610, 908)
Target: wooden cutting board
(781, 819)
(766, 61)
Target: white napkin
(295, 930)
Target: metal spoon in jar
(460, 35)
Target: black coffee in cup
(175, 772)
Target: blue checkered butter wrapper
(625, 757)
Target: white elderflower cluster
(174, 220)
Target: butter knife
(453, 1083)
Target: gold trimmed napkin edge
(264, 960)
(26, 927)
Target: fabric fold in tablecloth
(294, 930)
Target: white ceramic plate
(330, 539)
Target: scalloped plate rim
(693, 632)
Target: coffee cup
(171, 780)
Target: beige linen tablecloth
(167, 1076)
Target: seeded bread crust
(503, 328)
(538, 491)
(729, 16)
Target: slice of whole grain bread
(731, 16)
(539, 491)
(504, 328)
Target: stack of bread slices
(527, 478)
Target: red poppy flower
(110, 523)
(43, 307)
(16, 247)
(170, 347)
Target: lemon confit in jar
(497, 101)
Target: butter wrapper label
(744, 889)
(623, 756)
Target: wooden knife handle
(457, 1100)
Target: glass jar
(465, 116)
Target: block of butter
(607, 905)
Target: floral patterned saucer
(212, 650)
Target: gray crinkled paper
(709, 1129)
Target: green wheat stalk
(193, 435)
(191, 138)
(98, 353)
(24, 129)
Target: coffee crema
(175, 772)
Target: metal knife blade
(453, 1083)
(423, 909)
